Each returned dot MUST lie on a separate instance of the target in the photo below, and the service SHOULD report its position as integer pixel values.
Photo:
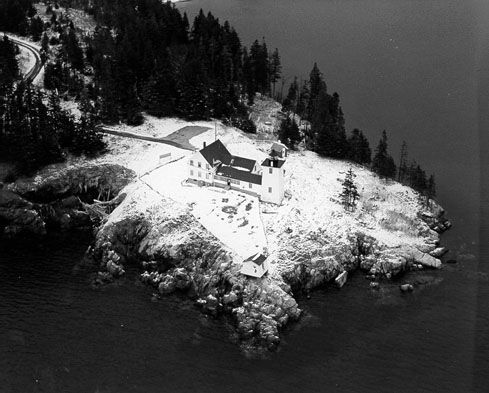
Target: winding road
(31, 75)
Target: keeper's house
(214, 165)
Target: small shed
(255, 266)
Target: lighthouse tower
(273, 174)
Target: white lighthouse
(273, 175)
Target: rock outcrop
(173, 252)
(19, 216)
(54, 198)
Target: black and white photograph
(244, 196)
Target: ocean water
(417, 68)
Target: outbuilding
(255, 266)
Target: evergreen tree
(383, 164)
(289, 133)
(349, 195)
(430, 189)
(86, 138)
(275, 69)
(317, 86)
(72, 50)
(290, 102)
(9, 68)
(36, 28)
(358, 148)
(13, 15)
(302, 100)
(403, 168)
(44, 47)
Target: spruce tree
(358, 148)
(383, 164)
(289, 133)
(349, 195)
(290, 102)
(403, 168)
(275, 69)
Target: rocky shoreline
(174, 252)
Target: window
(270, 189)
(207, 176)
(250, 185)
(270, 170)
(207, 166)
(191, 172)
(199, 164)
(199, 174)
(191, 162)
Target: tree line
(34, 129)
(145, 55)
(323, 130)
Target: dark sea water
(418, 68)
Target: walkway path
(179, 138)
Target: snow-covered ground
(311, 214)
(26, 60)
(231, 216)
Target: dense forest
(145, 56)
(34, 129)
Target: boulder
(114, 269)
(230, 298)
(182, 278)
(167, 285)
(438, 252)
(406, 288)
(416, 256)
(374, 285)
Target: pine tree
(431, 189)
(403, 168)
(289, 133)
(383, 164)
(275, 69)
(358, 148)
(72, 50)
(317, 86)
(290, 102)
(36, 28)
(44, 47)
(349, 195)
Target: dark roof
(233, 173)
(243, 162)
(257, 259)
(276, 163)
(216, 151)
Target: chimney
(205, 144)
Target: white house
(255, 266)
(214, 165)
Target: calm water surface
(411, 67)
